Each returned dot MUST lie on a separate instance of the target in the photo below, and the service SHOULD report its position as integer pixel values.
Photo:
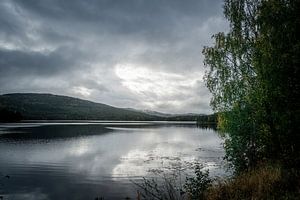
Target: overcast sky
(144, 54)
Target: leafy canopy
(253, 76)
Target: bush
(169, 187)
(196, 186)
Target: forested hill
(34, 106)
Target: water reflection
(82, 161)
(48, 132)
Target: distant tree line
(10, 116)
(181, 118)
(207, 119)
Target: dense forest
(10, 116)
(34, 106)
(253, 75)
(37, 106)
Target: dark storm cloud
(19, 63)
(139, 53)
(155, 21)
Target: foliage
(169, 186)
(196, 186)
(264, 182)
(277, 64)
(253, 76)
(166, 188)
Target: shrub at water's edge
(168, 186)
(264, 182)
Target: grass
(265, 182)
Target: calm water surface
(84, 160)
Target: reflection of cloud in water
(169, 152)
(101, 158)
(82, 147)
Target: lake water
(85, 160)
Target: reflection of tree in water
(207, 126)
(207, 121)
(49, 132)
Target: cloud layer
(142, 54)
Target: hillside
(34, 106)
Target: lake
(89, 159)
